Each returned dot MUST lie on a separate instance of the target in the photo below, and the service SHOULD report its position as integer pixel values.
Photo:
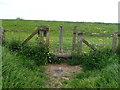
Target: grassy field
(100, 68)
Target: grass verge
(17, 72)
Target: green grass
(105, 78)
(39, 54)
(100, 68)
(95, 60)
(18, 72)
(16, 24)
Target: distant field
(17, 24)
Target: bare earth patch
(63, 72)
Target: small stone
(65, 78)
(54, 75)
(60, 68)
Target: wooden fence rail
(98, 34)
(35, 32)
(75, 33)
(18, 30)
(87, 34)
(89, 45)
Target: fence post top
(61, 26)
(118, 35)
(80, 33)
(43, 28)
(1, 27)
(74, 32)
(75, 26)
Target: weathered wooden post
(118, 48)
(41, 35)
(48, 36)
(114, 42)
(1, 35)
(74, 40)
(80, 43)
(43, 31)
(61, 39)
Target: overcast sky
(61, 10)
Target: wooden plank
(62, 55)
(35, 32)
(114, 42)
(74, 41)
(118, 47)
(80, 43)
(18, 31)
(41, 37)
(118, 35)
(89, 34)
(61, 39)
(98, 34)
(92, 47)
(47, 37)
(63, 51)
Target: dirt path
(60, 73)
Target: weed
(39, 54)
(95, 60)
(16, 72)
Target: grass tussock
(17, 72)
(100, 70)
(105, 78)
(95, 60)
(39, 54)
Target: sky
(61, 10)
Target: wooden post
(1, 35)
(61, 39)
(118, 48)
(35, 32)
(80, 43)
(114, 42)
(74, 41)
(47, 37)
(41, 37)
